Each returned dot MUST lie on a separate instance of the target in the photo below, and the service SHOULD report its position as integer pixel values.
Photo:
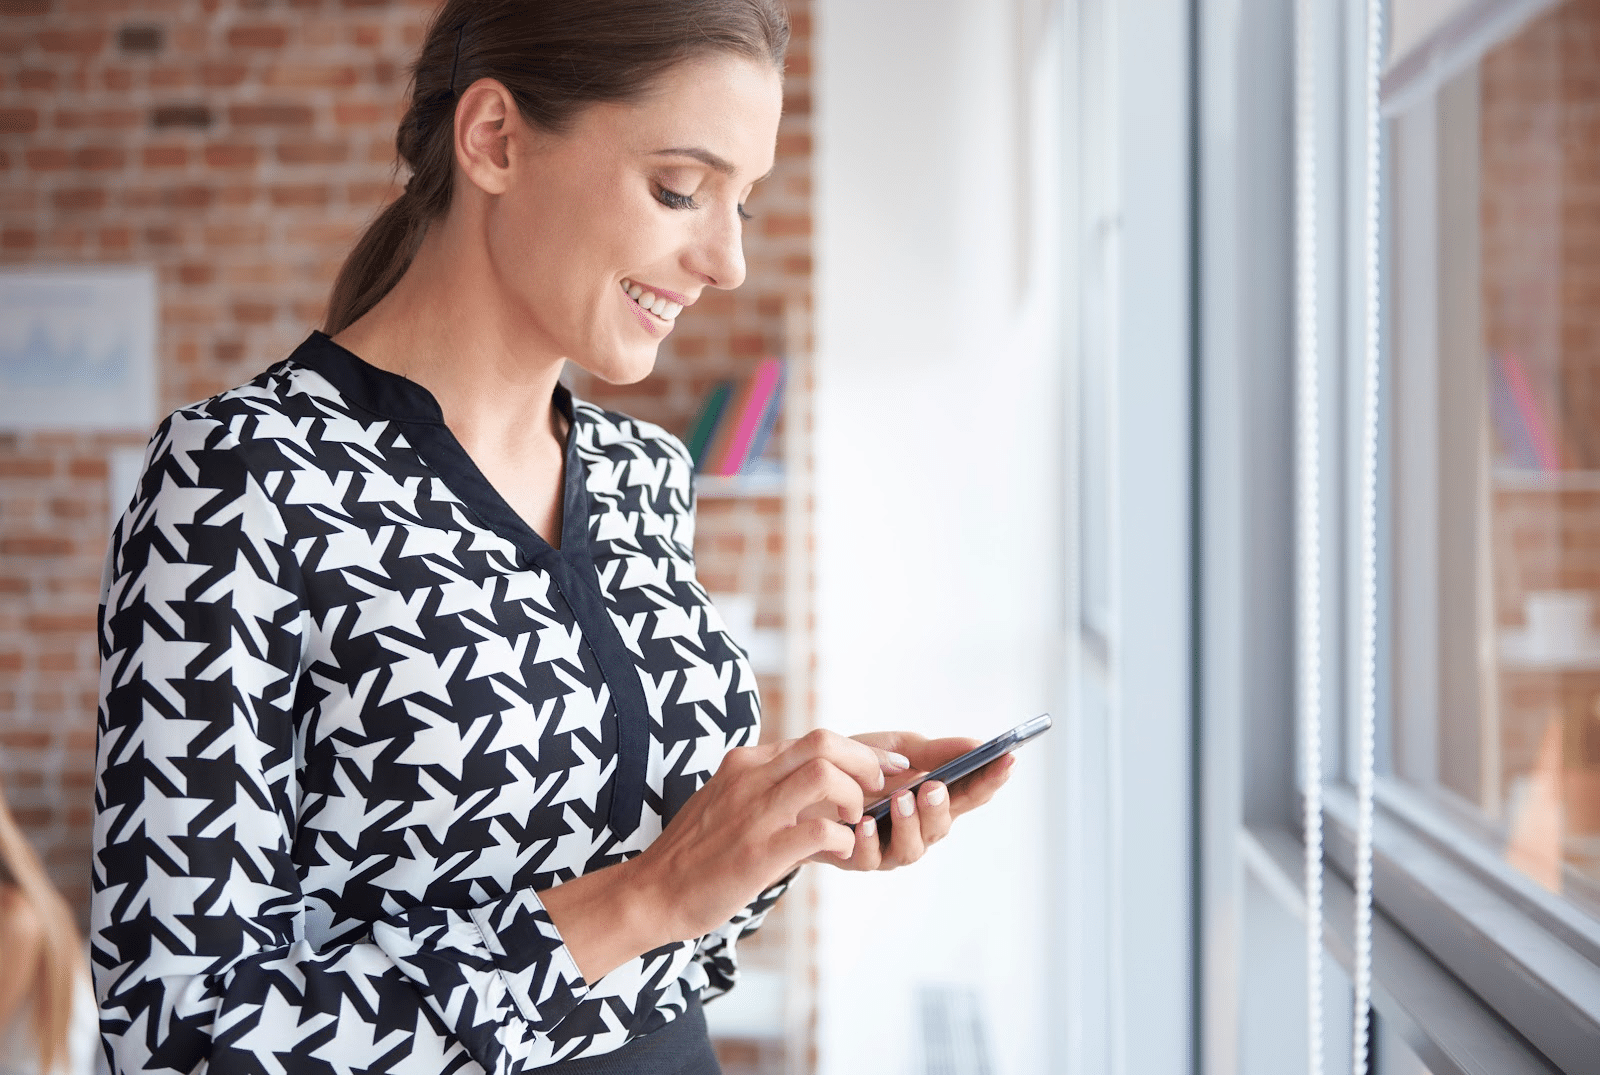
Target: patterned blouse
(355, 714)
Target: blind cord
(1369, 552)
(1308, 361)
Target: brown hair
(555, 57)
(61, 960)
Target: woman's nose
(718, 253)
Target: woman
(421, 747)
(46, 1009)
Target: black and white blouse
(355, 714)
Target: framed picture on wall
(77, 348)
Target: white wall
(939, 430)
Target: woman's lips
(664, 305)
(645, 318)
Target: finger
(899, 742)
(806, 839)
(905, 835)
(858, 760)
(869, 853)
(933, 805)
(891, 762)
(819, 782)
(974, 790)
(929, 754)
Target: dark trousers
(682, 1047)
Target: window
(1495, 519)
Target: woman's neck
(442, 327)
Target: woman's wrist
(611, 916)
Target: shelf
(759, 484)
(1554, 481)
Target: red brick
(18, 239)
(311, 76)
(77, 42)
(270, 115)
(258, 37)
(99, 158)
(37, 78)
(34, 546)
(188, 196)
(24, 466)
(253, 313)
(192, 274)
(165, 156)
(47, 158)
(110, 119)
(25, 739)
(302, 194)
(313, 152)
(19, 120)
(347, 114)
(93, 468)
(79, 199)
(59, 661)
(231, 155)
(222, 75)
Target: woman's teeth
(662, 308)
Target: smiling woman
(421, 746)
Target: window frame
(1531, 960)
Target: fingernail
(905, 805)
(936, 795)
(869, 826)
(895, 762)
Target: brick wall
(1541, 276)
(238, 146)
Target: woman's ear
(487, 121)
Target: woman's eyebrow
(704, 156)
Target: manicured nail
(869, 827)
(895, 763)
(936, 795)
(905, 805)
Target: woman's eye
(744, 215)
(673, 200)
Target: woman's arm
(198, 921)
(22, 941)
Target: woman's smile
(653, 306)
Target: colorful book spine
(1511, 435)
(1533, 420)
(769, 420)
(763, 386)
(706, 422)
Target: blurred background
(1048, 440)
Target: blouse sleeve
(198, 926)
(717, 954)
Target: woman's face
(609, 230)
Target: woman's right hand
(764, 811)
(767, 809)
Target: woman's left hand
(921, 819)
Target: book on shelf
(705, 423)
(1525, 437)
(735, 423)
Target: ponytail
(380, 258)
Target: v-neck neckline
(391, 396)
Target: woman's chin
(624, 367)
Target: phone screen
(957, 768)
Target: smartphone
(952, 771)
